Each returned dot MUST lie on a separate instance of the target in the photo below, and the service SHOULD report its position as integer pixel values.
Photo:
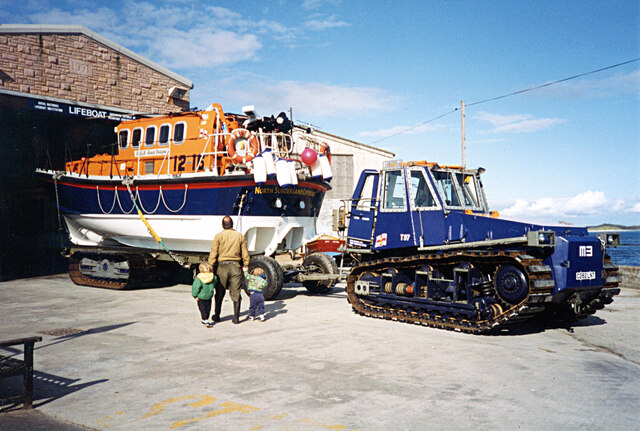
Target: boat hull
(186, 212)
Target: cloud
(98, 20)
(635, 208)
(319, 25)
(176, 36)
(310, 100)
(203, 48)
(316, 4)
(519, 123)
(583, 204)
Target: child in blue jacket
(255, 285)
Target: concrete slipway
(141, 360)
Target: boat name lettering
(147, 153)
(283, 191)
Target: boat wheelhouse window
(469, 192)
(150, 136)
(421, 195)
(394, 194)
(123, 138)
(165, 135)
(179, 132)
(148, 167)
(447, 188)
(136, 137)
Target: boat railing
(211, 156)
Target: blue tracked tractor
(425, 249)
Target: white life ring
(242, 146)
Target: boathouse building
(62, 88)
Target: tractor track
(539, 276)
(143, 271)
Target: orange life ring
(326, 151)
(242, 146)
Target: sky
(393, 75)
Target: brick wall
(76, 67)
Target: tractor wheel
(273, 271)
(511, 284)
(319, 263)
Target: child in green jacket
(202, 292)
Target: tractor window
(469, 192)
(447, 188)
(420, 194)
(365, 199)
(394, 191)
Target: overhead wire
(508, 95)
(417, 125)
(551, 83)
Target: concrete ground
(113, 360)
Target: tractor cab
(413, 204)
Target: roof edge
(347, 141)
(79, 29)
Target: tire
(511, 284)
(319, 263)
(274, 274)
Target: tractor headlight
(541, 238)
(609, 239)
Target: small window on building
(150, 136)
(123, 138)
(136, 137)
(179, 132)
(165, 135)
(148, 167)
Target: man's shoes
(215, 318)
(251, 318)
(260, 318)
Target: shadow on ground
(541, 324)
(46, 388)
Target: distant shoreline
(612, 229)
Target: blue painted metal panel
(362, 220)
(211, 198)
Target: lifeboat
(172, 178)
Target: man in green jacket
(229, 252)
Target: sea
(628, 253)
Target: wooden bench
(10, 367)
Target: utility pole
(464, 139)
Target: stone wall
(630, 276)
(78, 68)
